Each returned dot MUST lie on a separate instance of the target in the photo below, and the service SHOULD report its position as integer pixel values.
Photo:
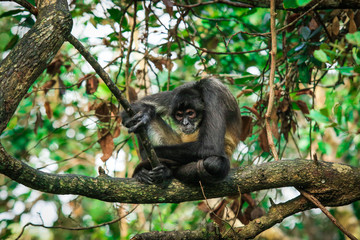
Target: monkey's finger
(144, 177)
(133, 120)
(141, 122)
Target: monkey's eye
(191, 113)
(179, 115)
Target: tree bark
(333, 184)
(32, 54)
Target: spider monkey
(209, 125)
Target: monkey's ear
(246, 127)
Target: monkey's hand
(141, 119)
(157, 175)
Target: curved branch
(31, 55)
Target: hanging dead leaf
(62, 87)
(48, 110)
(230, 80)
(284, 105)
(114, 110)
(158, 62)
(106, 142)
(246, 127)
(54, 66)
(102, 112)
(132, 94)
(305, 91)
(202, 206)
(303, 107)
(169, 6)
(92, 106)
(117, 131)
(335, 27)
(352, 26)
(313, 24)
(293, 126)
(48, 85)
(38, 122)
(274, 129)
(357, 18)
(87, 76)
(264, 144)
(92, 84)
(218, 212)
(289, 19)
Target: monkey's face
(188, 120)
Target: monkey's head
(187, 110)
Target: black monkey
(209, 121)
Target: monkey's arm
(146, 109)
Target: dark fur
(202, 158)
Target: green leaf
(318, 117)
(305, 32)
(324, 147)
(11, 13)
(290, 4)
(12, 123)
(321, 56)
(338, 112)
(347, 71)
(343, 148)
(353, 38)
(304, 73)
(302, 3)
(115, 14)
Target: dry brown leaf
(169, 6)
(54, 67)
(117, 131)
(48, 110)
(352, 26)
(313, 24)
(335, 27)
(202, 206)
(218, 212)
(48, 85)
(107, 145)
(39, 121)
(92, 84)
(102, 112)
(132, 94)
(307, 91)
(264, 144)
(303, 106)
(246, 127)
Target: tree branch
(332, 184)
(31, 55)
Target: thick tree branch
(332, 184)
(31, 55)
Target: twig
(117, 93)
(271, 79)
(317, 203)
(74, 228)
(221, 53)
(234, 4)
(127, 63)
